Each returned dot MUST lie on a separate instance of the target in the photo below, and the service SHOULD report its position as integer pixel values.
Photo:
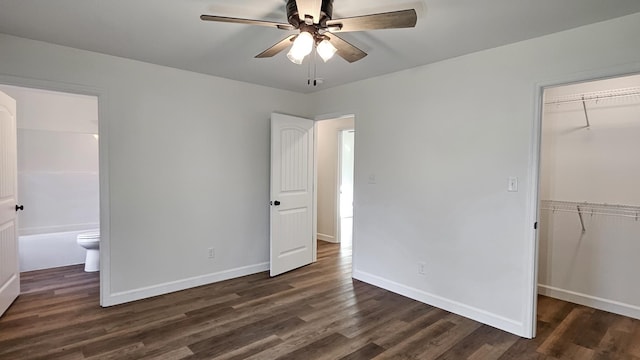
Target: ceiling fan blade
(309, 7)
(277, 48)
(389, 20)
(345, 50)
(282, 26)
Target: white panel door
(292, 179)
(9, 272)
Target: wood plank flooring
(317, 312)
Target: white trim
(328, 238)
(103, 161)
(531, 254)
(455, 307)
(105, 212)
(609, 305)
(178, 285)
(338, 187)
(530, 300)
(334, 116)
(314, 242)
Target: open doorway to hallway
(335, 169)
(345, 210)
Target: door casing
(103, 161)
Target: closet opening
(589, 196)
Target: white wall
(598, 164)
(57, 161)
(441, 141)
(186, 160)
(328, 174)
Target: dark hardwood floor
(317, 312)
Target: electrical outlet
(212, 253)
(422, 268)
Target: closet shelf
(587, 208)
(595, 96)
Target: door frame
(317, 119)
(338, 230)
(103, 162)
(533, 211)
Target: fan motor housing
(326, 11)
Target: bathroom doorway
(58, 175)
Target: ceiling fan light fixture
(302, 46)
(326, 50)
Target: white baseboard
(325, 237)
(591, 301)
(169, 287)
(455, 307)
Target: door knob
(276, 203)
(19, 207)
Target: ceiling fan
(313, 19)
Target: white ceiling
(169, 32)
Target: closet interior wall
(589, 231)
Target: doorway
(58, 175)
(345, 194)
(335, 174)
(588, 200)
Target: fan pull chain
(309, 73)
(315, 71)
(312, 60)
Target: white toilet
(90, 240)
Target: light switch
(513, 184)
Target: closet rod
(611, 94)
(581, 221)
(586, 116)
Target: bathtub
(43, 251)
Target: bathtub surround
(188, 167)
(49, 250)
